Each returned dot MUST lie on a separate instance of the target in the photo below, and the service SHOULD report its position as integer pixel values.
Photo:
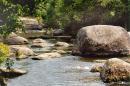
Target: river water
(65, 71)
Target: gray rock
(12, 72)
(39, 41)
(21, 52)
(62, 44)
(13, 39)
(45, 56)
(103, 40)
(58, 32)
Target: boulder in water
(103, 40)
(21, 51)
(39, 43)
(13, 39)
(62, 44)
(115, 70)
(9, 73)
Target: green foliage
(59, 13)
(9, 17)
(4, 52)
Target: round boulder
(103, 40)
(16, 40)
(115, 70)
(21, 52)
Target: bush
(4, 52)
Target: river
(65, 71)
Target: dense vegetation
(9, 21)
(59, 13)
(65, 14)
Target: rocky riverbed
(66, 70)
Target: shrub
(4, 52)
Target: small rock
(58, 32)
(60, 51)
(39, 43)
(47, 56)
(62, 44)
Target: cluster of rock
(20, 50)
(59, 49)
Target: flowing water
(65, 71)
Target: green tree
(9, 22)
(9, 18)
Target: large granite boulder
(103, 40)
